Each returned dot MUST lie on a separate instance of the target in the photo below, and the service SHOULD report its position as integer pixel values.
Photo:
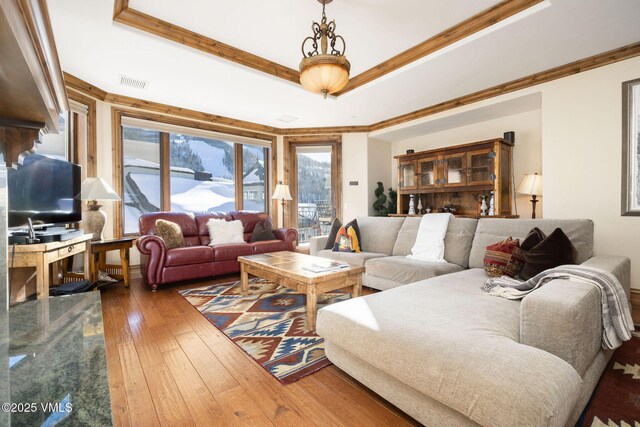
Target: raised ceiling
(98, 50)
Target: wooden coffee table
(286, 269)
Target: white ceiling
(375, 30)
(94, 48)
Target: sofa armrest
(289, 235)
(317, 244)
(563, 318)
(619, 266)
(154, 248)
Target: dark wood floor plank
(239, 409)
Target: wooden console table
(43, 255)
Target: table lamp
(531, 185)
(94, 218)
(282, 192)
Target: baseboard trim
(635, 305)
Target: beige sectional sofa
(447, 353)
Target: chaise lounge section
(197, 260)
(447, 353)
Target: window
(175, 168)
(631, 148)
(202, 174)
(314, 179)
(254, 178)
(142, 191)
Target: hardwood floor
(168, 366)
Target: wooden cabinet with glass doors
(457, 177)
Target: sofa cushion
(269, 246)
(554, 250)
(457, 241)
(223, 232)
(404, 270)
(186, 221)
(262, 231)
(579, 231)
(348, 238)
(449, 340)
(249, 220)
(203, 218)
(352, 258)
(170, 232)
(378, 233)
(186, 256)
(331, 239)
(231, 251)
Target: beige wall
(527, 154)
(379, 153)
(355, 153)
(581, 156)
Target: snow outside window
(202, 174)
(141, 175)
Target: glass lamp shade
(531, 185)
(324, 74)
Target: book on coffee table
(323, 267)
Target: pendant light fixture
(324, 68)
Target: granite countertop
(54, 369)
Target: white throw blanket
(429, 244)
(617, 323)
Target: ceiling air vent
(131, 82)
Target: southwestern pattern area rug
(616, 400)
(269, 324)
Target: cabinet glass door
(454, 170)
(480, 167)
(408, 175)
(428, 176)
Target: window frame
(118, 150)
(290, 143)
(630, 165)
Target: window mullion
(238, 166)
(165, 171)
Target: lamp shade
(97, 189)
(324, 75)
(531, 185)
(282, 192)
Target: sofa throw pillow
(348, 238)
(554, 250)
(263, 231)
(170, 232)
(504, 258)
(335, 227)
(223, 232)
(534, 237)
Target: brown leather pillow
(263, 231)
(170, 232)
(554, 250)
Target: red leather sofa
(196, 259)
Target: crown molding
(458, 32)
(606, 58)
(123, 14)
(616, 55)
(133, 18)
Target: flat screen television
(45, 189)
